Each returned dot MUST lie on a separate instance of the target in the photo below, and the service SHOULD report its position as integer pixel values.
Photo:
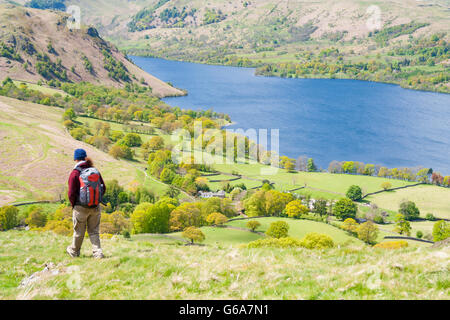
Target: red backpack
(91, 189)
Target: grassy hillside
(158, 268)
(400, 42)
(38, 154)
(37, 45)
(427, 198)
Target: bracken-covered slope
(38, 45)
(37, 153)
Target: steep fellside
(38, 45)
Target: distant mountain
(38, 45)
(405, 42)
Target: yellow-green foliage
(114, 223)
(61, 227)
(317, 241)
(216, 218)
(267, 203)
(310, 241)
(106, 236)
(36, 218)
(367, 232)
(392, 244)
(253, 225)
(194, 234)
(8, 217)
(295, 209)
(151, 218)
(288, 242)
(186, 215)
(278, 229)
(60, 222)
(441, 230)
(350, 225)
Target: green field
(429, 199)
(299, 228)
(146, 268)
(335, 183)
(226, 236)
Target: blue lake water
(323, 119)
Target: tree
(194, 234)
(267, 203)
(116, 152)
(315, 240)
(295, 209)
(278, 230)
(409, 210)
(167, 175)
(114, 223)
(186, 215)
(112, 193)
(36, 218)
(345, 208)
(441, 231)
(367, 232)
(69, 114)
(287, 163)
(349, 167)
(320, 207)
(402, 225)
(156, 143)
(302, 163)
(437, 178)
(222, 206)
(386, 185)
(446, 182)
(253, 225)
(8, 217)
(151, 218)
(311, 165)
(78, 133)
(354, 193)
(275, 202)
(350, 225)
(216, 218)
(116, 135)
(131, 140)
(369, 170)
(172, 192)
(422, 175)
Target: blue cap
(79, 154)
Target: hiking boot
(98, 255)
(72, 253)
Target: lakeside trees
(422, 175)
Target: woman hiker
(86, 189)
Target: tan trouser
(82, 218)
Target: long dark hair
(89, 162)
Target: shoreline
(312, 76)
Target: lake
(325, 119)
